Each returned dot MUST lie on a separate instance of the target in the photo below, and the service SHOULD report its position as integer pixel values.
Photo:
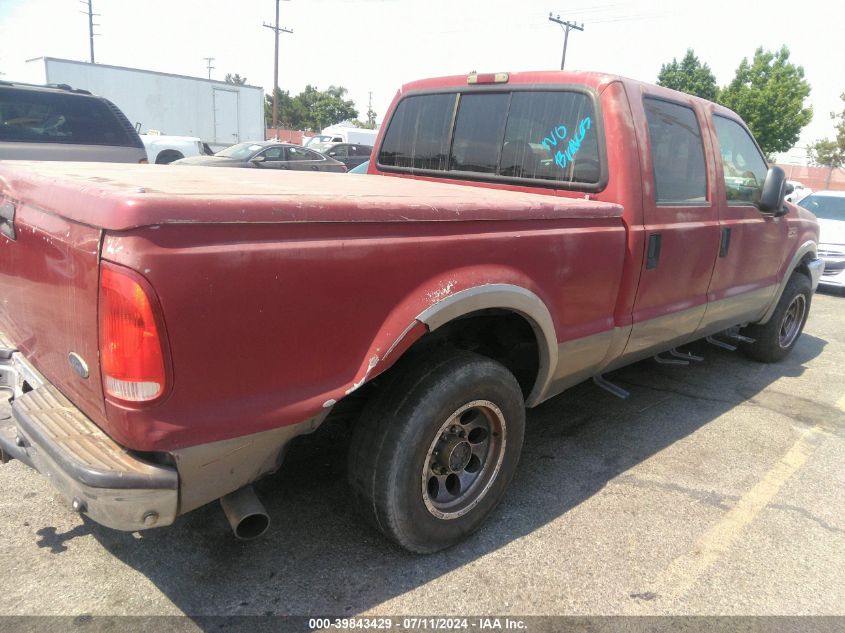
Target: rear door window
(36, 116)
(677, 153)
(549, 136)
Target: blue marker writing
(564, 157)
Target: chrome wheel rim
(464, 459)
(790, 326)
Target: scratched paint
(567, 150)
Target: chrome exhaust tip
(245, 513)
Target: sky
(377, 45)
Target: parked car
(798, 192)
(526, 232)
(829, 208)
(350, 154)
(60, 123)
(267, 155)
(163, 149)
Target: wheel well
(502, 335)
(168, 156)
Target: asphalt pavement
(714, 489)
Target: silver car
(59, 123)
(829, 208)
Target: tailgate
(48, 297)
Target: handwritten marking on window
(564, 155)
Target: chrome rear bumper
(42, 428)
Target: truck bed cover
(122, 197)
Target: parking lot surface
(714, 489)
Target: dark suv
(59, 123)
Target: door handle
(653, 253)
(725, 244)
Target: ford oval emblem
(79, 365)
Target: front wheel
(435, 449)
(775, 339)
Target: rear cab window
(40, 116)
(535, 137)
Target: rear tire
(168, 156)
(775, 339)
(436, 448)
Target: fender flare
(808, 247)
(504, 297)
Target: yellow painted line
(682, 573)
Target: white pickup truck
(163, 149)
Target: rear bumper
(101, 479)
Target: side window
(299, 153)
(552, 136)
(418, 136)
(744, 167)
(273, 153)
(478, 132)
(338, 151)
(677, 153)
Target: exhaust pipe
(246, 514)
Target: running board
(722, 344)
(685, 355)
(616, 390)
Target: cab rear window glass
(539, 135)
(33, 116)
(418, 136)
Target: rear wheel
(435, 449)
(168, 156)
(775, 339)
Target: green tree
(291, 111)
(690, 76)
(235, 79)
(312, 109)
(769, 93)
(827, 152)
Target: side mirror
(258, 159)
(789, 188)
(774, 191)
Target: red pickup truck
(167, 332)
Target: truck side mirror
(789, 188)
(774, 191)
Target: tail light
(131, 344)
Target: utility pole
(566, 26)
(91, 25)
(208, 61)
(276, 30)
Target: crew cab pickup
(167, 333)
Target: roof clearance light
(487, 78)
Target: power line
(276, 30)
(91, 25)
(566, 26)
(208, 61)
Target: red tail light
(131, 356)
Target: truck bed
(121, 197)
